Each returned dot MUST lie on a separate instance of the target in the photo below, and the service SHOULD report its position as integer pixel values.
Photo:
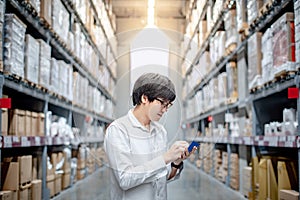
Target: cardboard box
(4, 122)
(31, 62)
(45, 12)
(28, 131)
(34, 124)
(288, 195)
(10, 175)
(41, 124)
(57, 183)
(34, 168)
(66, 180)
(23, 194)
(283, 177)
(17, 122)
(6, 195)
(25, 170)
(36, 190)
(51, 186)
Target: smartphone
(192, 145)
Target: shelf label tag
(293, 93)
(5, 102)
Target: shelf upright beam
(1, 94)
(45, 191)
(297, 80)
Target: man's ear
(144, 99)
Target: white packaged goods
(267, 56)
(209, 20)
(222, 87)
(75, 87)
(71, 41)
(60, 19)
(2, 12)
(283, 42)
(232, 81)
(230, 28)
(70, 83)
(14, 42)
(32, 49)
(254, 59)
(63, 78)
(90, 98)
(241, 14)
(218, 7)
(44, 70)
(253, 7)
(297, 12)
(77, 35)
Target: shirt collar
(135, 122)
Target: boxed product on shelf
(17, 122)
(241, 15)
(297, 12)
(57, 182)
(25, 170)
(28, 123)
(209, 18)
(247, 181)
(222, 87)
(40, 124)
(60, 19)
(10, 175)
(4, 121)
(253, 7)
(288, 195)
(31, 62)
(254, 59)
(283, 42)
(231, 30)
(63, 77)
(217, 9)
(36, 190)
(46, 11)
(44, 63)
(70, 82)
(54, 76)
(6, 195)
(2, 12)
(267, 56)
(14, 42)
(232, 82)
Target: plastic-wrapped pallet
(267, 56)
(222, 87)
(241, 14)
(44, 63)
(283, 43)
(32, 48)
(14, 37)
(54, 76)
(60, 19)
(70, 83)
(253, 7)
(254, 59)
(232, 82)
(231, 29)
(63, 80)
(217, 9)
(202, 32)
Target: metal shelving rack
(249, 103)
(44, 100)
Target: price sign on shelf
(5, 102)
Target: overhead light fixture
(151, 5)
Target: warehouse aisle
(192, 185)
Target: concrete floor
(192, 184)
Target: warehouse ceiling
(169, 14)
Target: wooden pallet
(26, 185)
(265, 9)
(44, 23)
(230, 48)
(231, 100)
(30, 83)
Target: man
(136, 144)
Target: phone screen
(192, 145)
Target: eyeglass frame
(164, 104)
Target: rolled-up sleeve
(129, 175)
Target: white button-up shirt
(135, 154)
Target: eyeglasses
(164, 104)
